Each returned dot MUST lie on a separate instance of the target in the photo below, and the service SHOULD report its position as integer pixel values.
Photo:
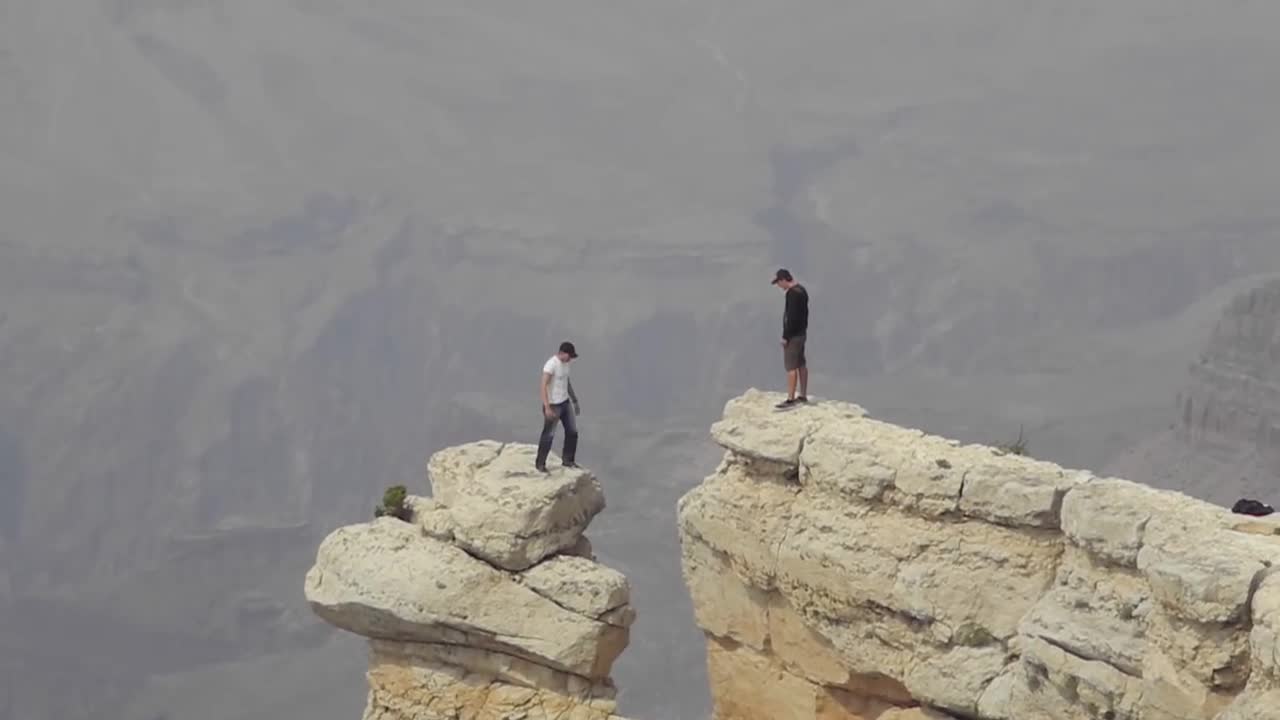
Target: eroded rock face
(1226, 443)
(475, 610)
(580, 585)
(427, 681)
(842, 567)
(386, 580)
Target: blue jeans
(563, 414)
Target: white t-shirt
(558, 391)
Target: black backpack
(1251, 507)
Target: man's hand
(784, 342)
(546, 410)
(577, 409)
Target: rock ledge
(844, 568)
(488, 602)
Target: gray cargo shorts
(793, 353)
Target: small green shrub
(393, 503)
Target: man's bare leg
(804, 382)
(791, 384)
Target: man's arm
(788, 316)
(573, 396)
(546, 401)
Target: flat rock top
(754, 427)
(502, 472)
(836, 448)
(501, 508)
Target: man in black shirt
(795, 324)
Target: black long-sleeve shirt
(795, 317)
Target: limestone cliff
(488, 603)
(846, 568)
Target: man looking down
(795, 326)
(557, 393)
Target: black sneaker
(789, 402)
(802, 399)
(569, 464)
(541, 468)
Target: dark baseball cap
(567, 347)
(782, 274)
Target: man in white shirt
(557, 394)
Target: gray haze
(260, 258)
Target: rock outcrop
(488, 603)
(846, 568)
(1233, 403)
(1225, 442)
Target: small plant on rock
(972, 635)
(1017, 447)
(393, 503)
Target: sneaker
(789, 402)
(541, 468)
(569, 464)
(802, 399)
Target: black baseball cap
(782, 274)
(567, 347)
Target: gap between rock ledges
(489, 649)
(503, 644)
(1254, 585)
(1142, 532)
(600, 618)
(1082, 655)
(519, 576)
(773, 572)
(502, 446)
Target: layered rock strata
(1233, 402)
(846, 568)
(1225, 443)
(488, 604)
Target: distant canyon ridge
(258, 259)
